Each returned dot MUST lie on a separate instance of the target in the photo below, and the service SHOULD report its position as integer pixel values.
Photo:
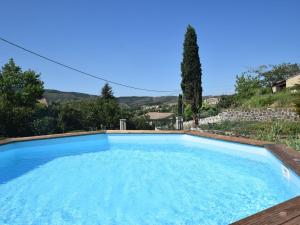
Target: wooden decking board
(241, 140)
(288, 156)
(282, 213)
(286, 213)
(294, 221)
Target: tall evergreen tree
(180, 105)
(106, 92)
(191, 73)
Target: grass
(280, 99)
(277, 131)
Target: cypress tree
(106, 92)
(191, 73)
(180, 105)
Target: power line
(80, 71)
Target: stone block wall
(268, 114)
(262, 115)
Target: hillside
(136, 101)
(128, 101)
(61, 96)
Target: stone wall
(268, 114)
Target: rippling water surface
(138, 179)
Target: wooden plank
(294, 221)
(288, 156)
(241, 140)
(276, 215)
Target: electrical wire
(80, 71)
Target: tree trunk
(195, 118)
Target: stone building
(288, 83)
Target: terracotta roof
(159, 115)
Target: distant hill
(128, 101)
(61, 96)
(136, 101)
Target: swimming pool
(138, 179)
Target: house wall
(293, 81)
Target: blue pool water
(138, 179)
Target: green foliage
(208, 110)
(188, 113)
(254, 87)
(54, 96)
(140, 123)
(246, 86)
(108, 113)
(284, 98)
(191, 72)
(274, 73)
(227, 101)
(19, 92)
(296, 95)
(106, 92)
(274, 131)
(45, 125)
(22, 115)
(69, 118)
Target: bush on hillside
(283, 98)
(227, 101)
(285, 132)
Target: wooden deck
(286, 213)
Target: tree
(69, 118)
(140, 123)
(106, 113)
(180, 105)
(274, 73)
(191, 73)
(106, 92)
(246, 86)
(188, 113)
(226, 101)
(19, 92)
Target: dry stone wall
(268, 114)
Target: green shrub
(283, 98)
(208, 110)
(227, 101)
(274, 131)
(188, 113)
(296, 94)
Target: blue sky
(140, 42)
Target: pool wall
(285, 213)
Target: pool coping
(284, 213)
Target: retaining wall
(268, 114)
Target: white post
(122, 124)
